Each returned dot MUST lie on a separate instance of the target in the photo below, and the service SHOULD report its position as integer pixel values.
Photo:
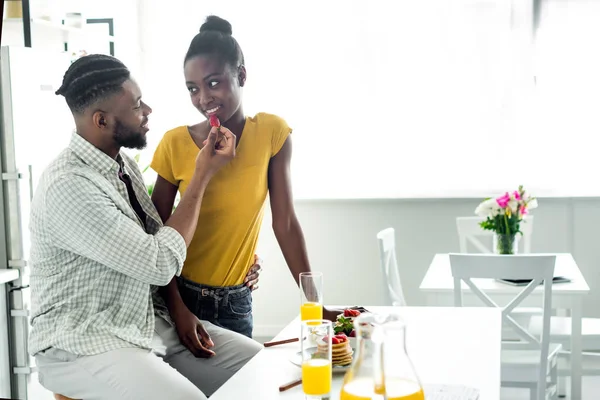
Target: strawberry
(326, 339)
(353, 333)
(335, 340)
(349, 313)
(214, 120)
(341, 337)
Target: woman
(212, 283)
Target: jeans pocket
(240, 307)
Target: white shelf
(63, 28)
(8, 275)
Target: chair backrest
(389, 267)
(469, 231)
(538, 267)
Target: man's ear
(100, 119)
(242, 75)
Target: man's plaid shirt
(94, 269)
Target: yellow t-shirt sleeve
(281, 131)
(162, 160)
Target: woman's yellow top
(224, 243)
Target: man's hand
(253, 273)
(218, 150)
(191, 333)
(331, 313)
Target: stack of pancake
(341, 352)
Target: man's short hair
(92, 78)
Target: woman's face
(214, 86)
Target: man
(99, 250)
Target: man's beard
(128, 138)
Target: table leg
(576, 349)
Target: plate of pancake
(341, 352)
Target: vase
(506, 244)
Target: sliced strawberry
(347, 313)
(326, 339)
(353, 333)
(335, 340)
(341, 338)
(214, 120)
(355, 313)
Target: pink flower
(517, 195)
(523, 210)
(503, 200)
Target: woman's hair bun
(217, 24)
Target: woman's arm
(163, 197)
(189, 329)
(285, 223)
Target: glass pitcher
(381, 368)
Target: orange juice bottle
(364, 389)
(381, 368)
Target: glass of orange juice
(311, 296)
(316, 358)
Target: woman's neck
(236, 123)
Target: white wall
(340, 234)
(341, 242)
(435, 87)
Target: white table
(438, 284)
(446, 345)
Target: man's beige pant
(169, 371)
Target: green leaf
(344, 325)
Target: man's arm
(85, 221)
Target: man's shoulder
(130, 163)
(66, 169)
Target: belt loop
(226, 297)
(216, 314)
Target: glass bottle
(381, 368)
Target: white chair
(531, 362)
(469, 231)
(389, 267)
(560, 332)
